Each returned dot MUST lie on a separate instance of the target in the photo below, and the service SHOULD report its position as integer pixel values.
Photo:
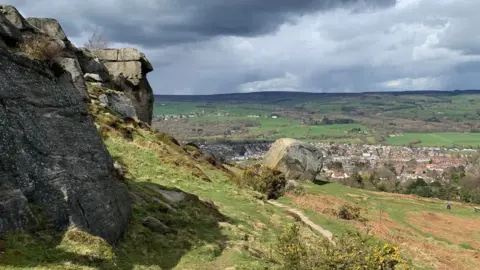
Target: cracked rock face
(51, 155)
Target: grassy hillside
(207, 222)
(187, 213)
(216, 225)
(431, 236)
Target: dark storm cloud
(219, 46)
(179, 21)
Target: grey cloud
(462, 35)
(218, 46)
(176, 21)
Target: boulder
(172, 196)
(296, 159)
(92, 77)
(119, 103)
(51, 153)
(129, 68)
(51, 27)
(155, 225)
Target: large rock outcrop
(129, 68)
(296, 159)
(52, 156)
(123, 70)
(49, 29)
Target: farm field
(443, 118)
(438, 139)
(428, 234)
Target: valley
(424, 118)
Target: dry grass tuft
(41, 48)
(321, 204)
(455, 229)
(82, 243)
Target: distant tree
(336, 165)
(96, 40)
(414, 142)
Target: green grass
(197, 240)
(216, 226)
(438, 139)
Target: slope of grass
(427, 233)
(214, 226)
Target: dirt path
(298, 214)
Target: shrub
(292, 187)
(351, 251)
(269, 182)
(349, 212)
(41, 48)
(291, 248)
(96, 40)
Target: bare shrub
(96, 40)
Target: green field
(438, 139)
(284, 127)
(435, 118)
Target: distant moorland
(424, 118)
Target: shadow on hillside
(320, 182)
(191, 223)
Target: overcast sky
(218, 46)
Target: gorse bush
(269, 182)
(291, 248)
(349, 212)
(351, 251)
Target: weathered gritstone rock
(51, 27)
(118, 103)
(8, 32)
(35, 28)
(51, 152)
(129, 68)
(17, 20)
(91, 64)
(296, 159)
